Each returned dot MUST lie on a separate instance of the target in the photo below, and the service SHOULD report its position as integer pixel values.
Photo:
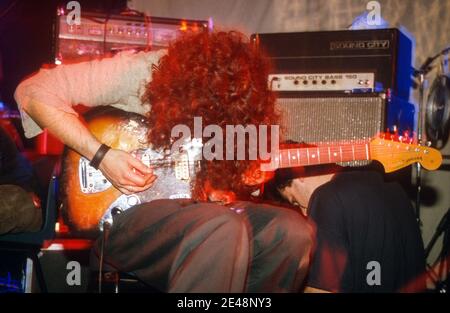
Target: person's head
(219, 76)
(296, 185)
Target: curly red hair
(219, 76)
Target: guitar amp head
(99, 33)
(375, 59)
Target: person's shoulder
(357, 181)
(357, 178)
(344, 191)
(151, 56)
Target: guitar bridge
(91, 180)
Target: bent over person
(216, 242)
(367, 238)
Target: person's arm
(117, 166)
(46, 99)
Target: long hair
(219, 76)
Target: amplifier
(382, 58)
(332, 117)
(99, 34)
(340, 85)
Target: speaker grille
(332, 118)
(322, 119)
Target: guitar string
(345, 151)
(345, 148)
(327, 159)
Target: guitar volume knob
(132, 200)
(116, 211)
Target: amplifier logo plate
(359, 44)
(321, 81)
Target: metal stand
(441, 276)
(441, 279)
(421, 134)
(420, 126)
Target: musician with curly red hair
(214, 242)
(220, 79)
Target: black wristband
(99, 155)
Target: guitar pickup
(182, 168)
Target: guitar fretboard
(324, 153)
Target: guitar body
(88, 197)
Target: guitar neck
(324, 154)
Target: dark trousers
(205, 247)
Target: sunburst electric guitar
(89, 197)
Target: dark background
(26, 38)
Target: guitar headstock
(395, 152)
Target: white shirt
(119, 81)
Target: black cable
(439, 230)
(102, 262)
(102, 251)
(426, 66)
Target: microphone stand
(421, 136)
(441, 285)
(420, 126)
